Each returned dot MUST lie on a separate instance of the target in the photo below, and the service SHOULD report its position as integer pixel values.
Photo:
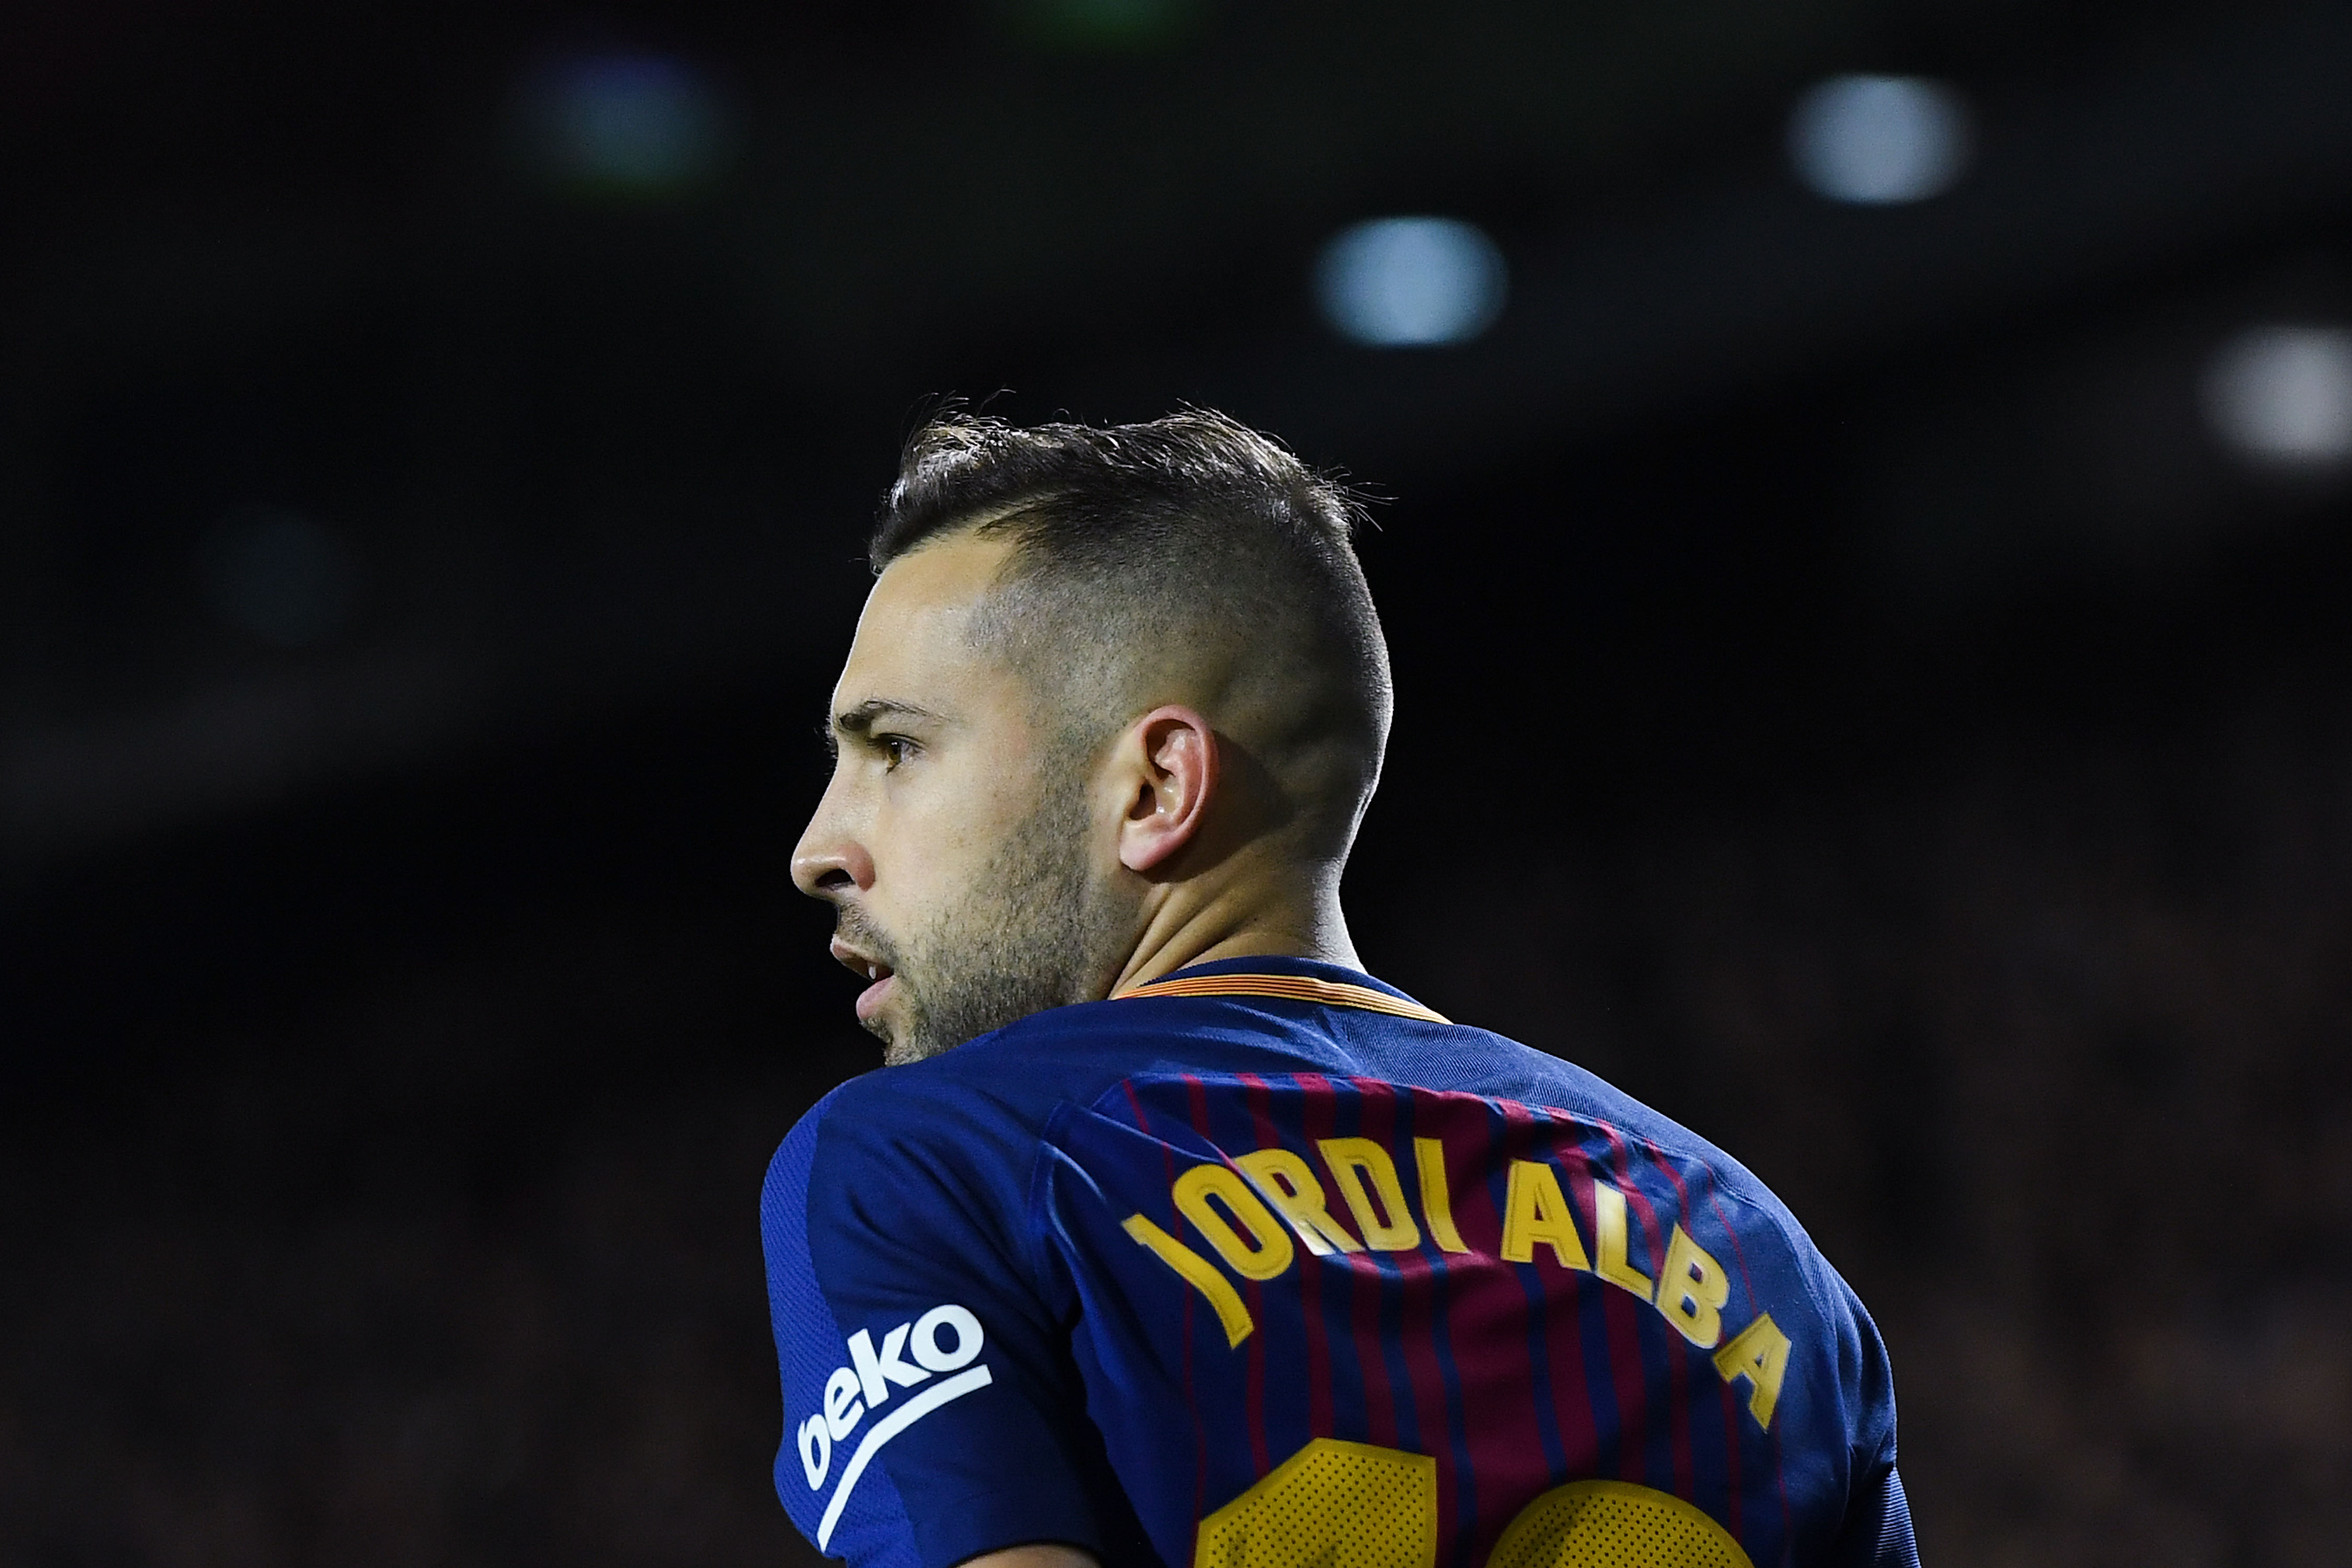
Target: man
(1167, 1235)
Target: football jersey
(1265, 1264)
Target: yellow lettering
(1760, 1354)
(1533, 1210)
(1270, 1255)
(1288, 1183)
(1198, 1273)
(1436, 1204)
(1692, 1291)
(1609, 1236)
(1353, 1159)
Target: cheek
(941, 824)
(929, 841)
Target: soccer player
(1167, 1235)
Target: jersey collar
(1287, 980)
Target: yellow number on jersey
(1331, 1505)
(1353, 1505)
(1614, 1524)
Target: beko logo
(944, 1340)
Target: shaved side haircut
(1184, 550)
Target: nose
(828, 862)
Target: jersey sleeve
(1876, 1530)
(931, 1411)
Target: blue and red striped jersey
(1267, 1264)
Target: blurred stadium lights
(2220, 132)
(625, 124)
(278, 576)
(2282, 395)
(1879, 139)
(1397, 282)
(2242, 129)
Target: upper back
(1306, 1246)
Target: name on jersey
(944, 1341)
(1233, 1208)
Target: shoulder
(1555, 1084)
(1694, 1172)
(1012, 1076)
(1783, 1269)
(967, 1120)
(1837, 1374)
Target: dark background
(1848, 694)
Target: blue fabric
(1093, 1277)
(874, 1527)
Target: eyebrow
(859, 719)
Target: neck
(1232, 923)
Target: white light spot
(278, 576)
(1411, 281)
(1879, 139)
(627, 124)
(2283, 394)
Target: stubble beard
(1035, 930)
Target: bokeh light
(1879, 139)
(2282, 395)
(1397, 282)
(627, 124)
(276, 576)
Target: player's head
(1113, 688)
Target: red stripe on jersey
(1192, 1399)
(1685, 1458)
(1619, 1324)
(1571, 1390)
(1423, 1319)
(1175, 1222)
(1376, 1120)
(1677, 1364)
(1315, 1120)
(1486, 1320)
(1254, 1091)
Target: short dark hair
(1188, 530)
(1111, 489)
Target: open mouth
(872, 970)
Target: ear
(1169, 760)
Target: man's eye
(895, 749)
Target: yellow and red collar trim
(1286, 988)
